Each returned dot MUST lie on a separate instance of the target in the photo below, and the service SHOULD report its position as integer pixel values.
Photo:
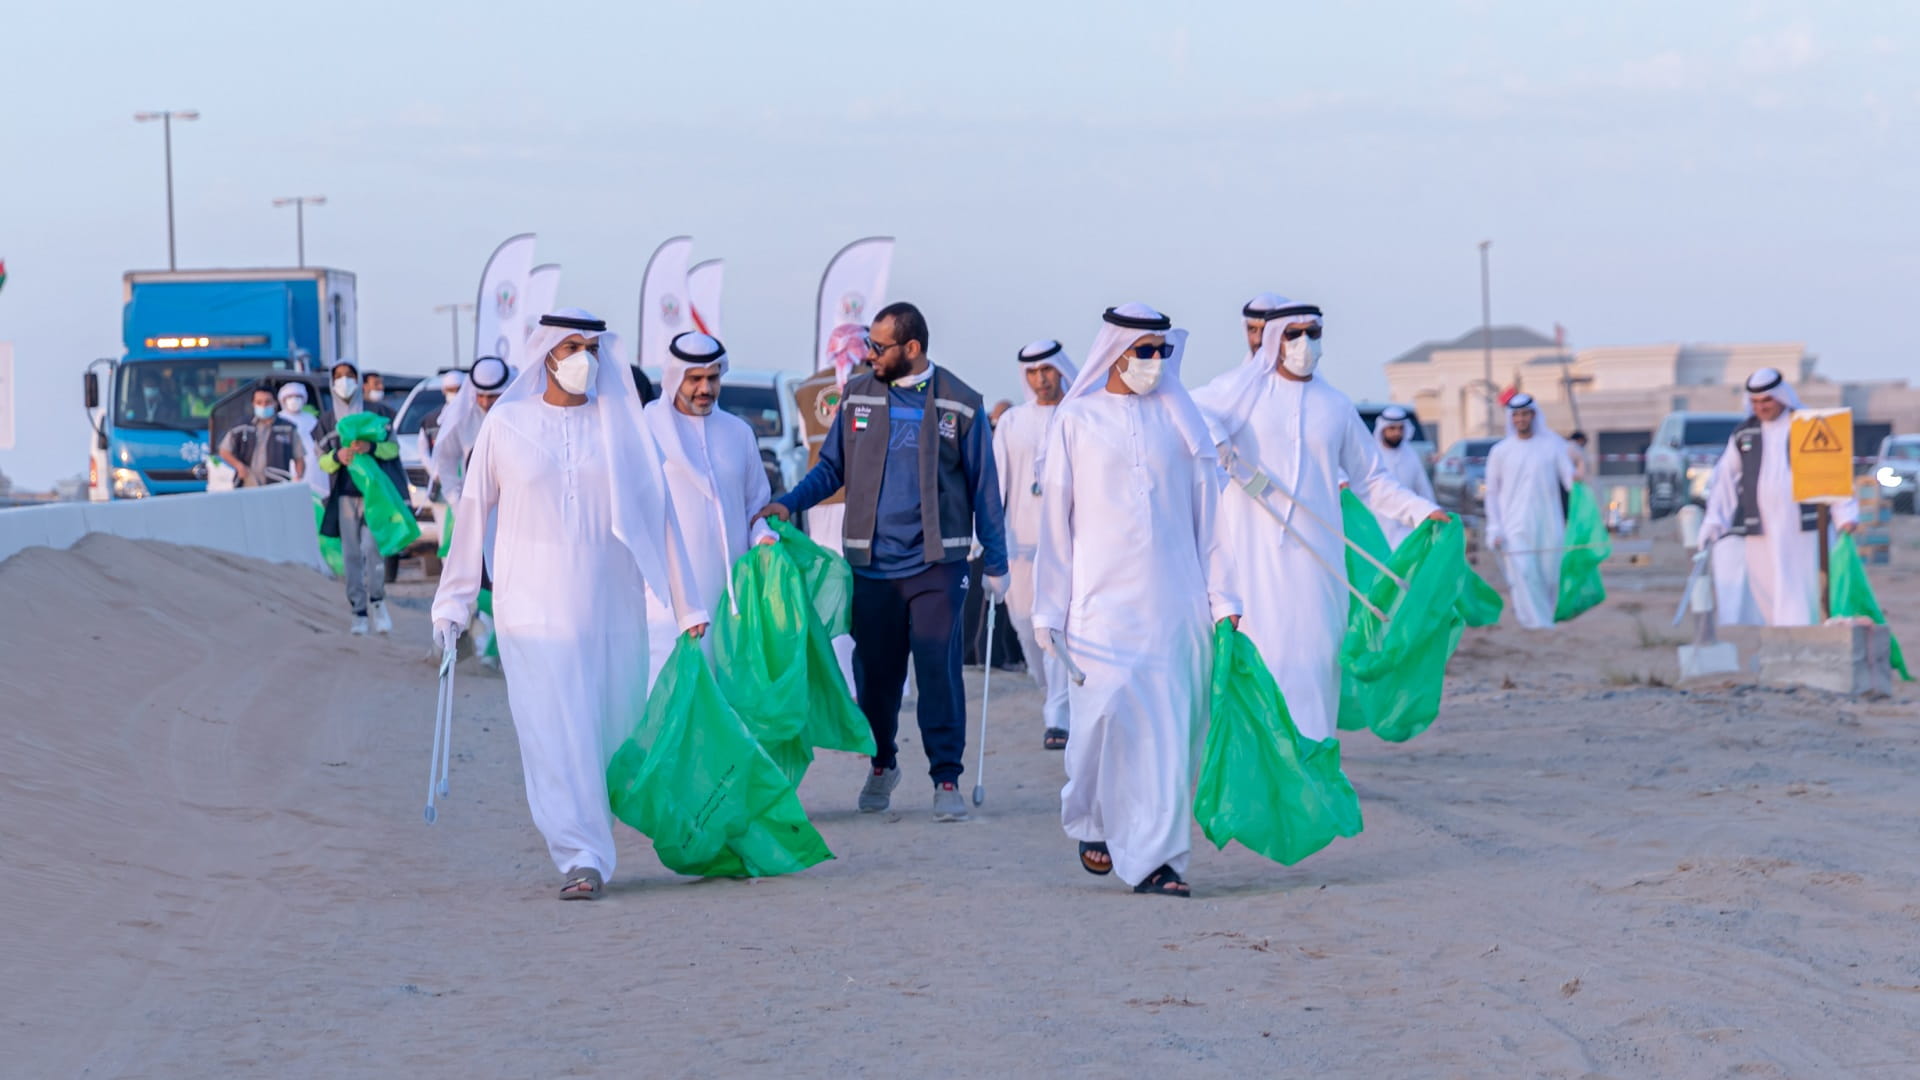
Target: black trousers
(919, 617)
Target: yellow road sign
(1822, 455)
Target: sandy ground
(215, 864)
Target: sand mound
(214, 864)
(160, 702)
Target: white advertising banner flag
(852, 289)
(543, 290)
(664, 311)
(500, 311)
(703, 292)
(6, 395)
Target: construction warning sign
(1822, 441)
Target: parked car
(764, 399)
(1460, 477)
(421, 401)
(1898, 471)
(1418, 438)
(1681, 457)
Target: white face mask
(1142, 376)
(1300, 355)
(376, 395)
(344, 386)
(264, 412)
(576, 372)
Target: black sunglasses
(1148, 352)
(878, 349)
(1292, 332)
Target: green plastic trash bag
(1398, 670)
(1588, 545)
(1850, 594)
(1480, 603)
(329, 545)
(446, 532)
(1261, 783)
(387, 514)
(777, 667)
(484, 602)
(695, 781)
(1363, 529)
(828, 578)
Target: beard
(697, 406)
(1392, 442)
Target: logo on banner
(501, 349)
(505, 299)
(826, 406)
(670, 310)
(851, 305)
(847, 346)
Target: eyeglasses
(1292, 332)
(1148, 352)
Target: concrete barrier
(272, 523)
(1843, 659)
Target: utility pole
(166, 118)
(453, 319)
(1486, 337)
(300, 204)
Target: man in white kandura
(1287, 432)
(460, 425)
(1403, 464)
(1017, 439)
(714, 478)
(585, 529)
(1130, 573)
(1750, 497)
(1528, 474)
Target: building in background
(1623, 392)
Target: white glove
(1229, 460)
(997, 586)
(1708, 534)
(446, 634)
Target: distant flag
(1559, 337)
(3, 273)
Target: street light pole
(1486, 335)
(166, 126)
(453, 319)
(299, 204)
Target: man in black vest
(1751, 496)
(268, 450)
(912, 447)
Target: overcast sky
(1647, 171)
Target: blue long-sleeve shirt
(898, 539)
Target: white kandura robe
(1782, 564)
(1304, 436)
(566, 600)
(1130, 568)
(1404, 465)
(716, 488)
(1526, 520)
(1016, 443)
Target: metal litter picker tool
(1259, 482)
(442, 761)
(1059, 641)
(986, 689)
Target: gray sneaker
(948, 803)
(877, 793)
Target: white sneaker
(382, 622)
(359, 627)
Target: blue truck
(191, 337)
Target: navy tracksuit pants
(918, 616)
